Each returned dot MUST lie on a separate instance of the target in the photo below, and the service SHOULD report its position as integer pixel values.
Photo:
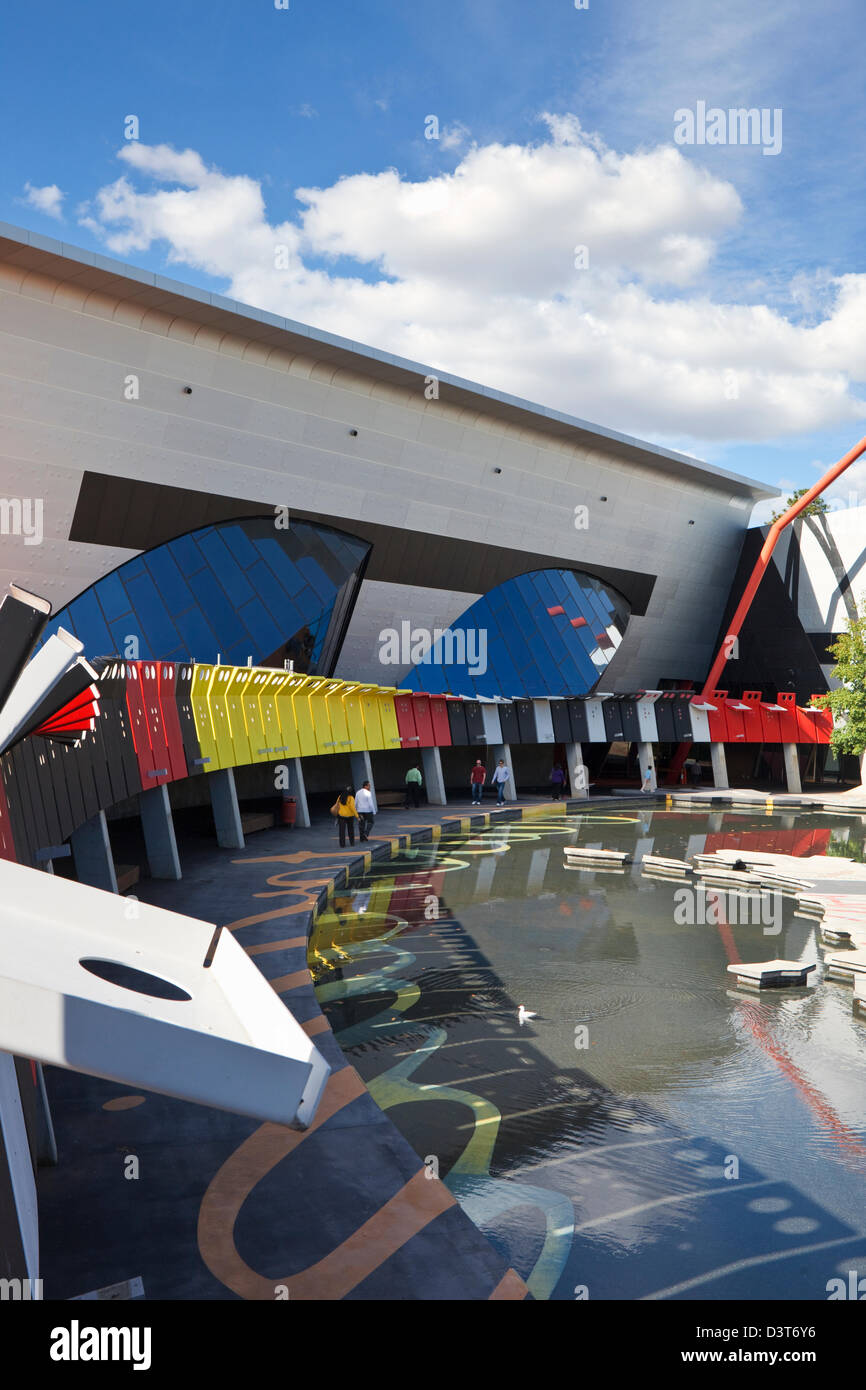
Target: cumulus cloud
(48, 199)
(559, 270)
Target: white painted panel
(492, 726)
(595, 721)
(543, 721)
(700, 724)
(646, 718)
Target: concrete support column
(158, 827)
(503, 751)
(720, 766)
(646, 759)
(299, 792)
(46, 1144)
(792, 767)
(578, 775)
(362, 771)
(91, 851)
(434, 782)
(226, 812)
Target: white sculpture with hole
(161, 1001)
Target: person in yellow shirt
(344, 809)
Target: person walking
(499, 779)
(557, 778)
(344, 809)
(647, 780)
(366, 808)
(477, 778)
(413, 786)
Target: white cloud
(473, 271)
(48, 200)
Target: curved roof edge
(89, 269)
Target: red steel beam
(763, 560)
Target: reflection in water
(653, 1132)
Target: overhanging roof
(89, 270)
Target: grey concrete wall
(267, 424)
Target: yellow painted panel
(337, 717)
(201, 676)
(388, 716)
(218, 702)
(273, 734)
(304, 715)
(355, 721)
(241, 677)
(252, 696)
(288, 741)
(321, 721)
(372, 721)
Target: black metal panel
(25, 776)
(665, 719)
(578, 720)
(630, 724)
(186, 718)
(68, 688)
(612, 715)
(682, 717)
(99, 763)
(526, 721)
(117, 731)
(72, 774)
(56, 770)
(34, 754)
(508, 723)
(19, 811)
(474, 722)
(84, 753)
(20, 626)
(457, 721)
(561, 721)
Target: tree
(814, 508)
(848, 703)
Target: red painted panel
(423, 721)
(717, 719)
(789, 729)
(155, 726)
(754, 729)
(406, 723)
(799, 843)
(770, 724)
(166, 676)
(441, 726)
(7, 840)
(736, 722)
(138, 724)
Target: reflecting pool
(654, 1132)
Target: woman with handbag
(344, 809)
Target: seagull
(524, 1015)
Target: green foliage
(849, 702)
(845, 849)
(814, 508)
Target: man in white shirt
(366, 808)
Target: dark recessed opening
(127, 977)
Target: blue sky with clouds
(723, 307)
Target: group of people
(348, 808)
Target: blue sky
(708, 264)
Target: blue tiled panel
(239, 588)
(530, 651)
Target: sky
(515, 194)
